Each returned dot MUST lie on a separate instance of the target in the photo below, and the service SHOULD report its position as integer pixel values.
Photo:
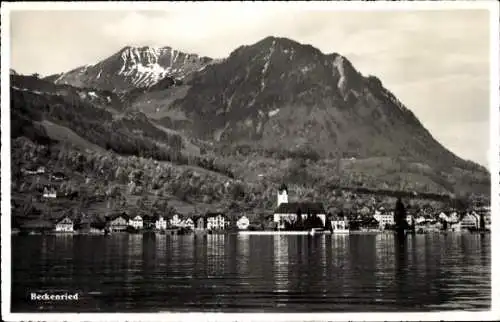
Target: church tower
(282, 194)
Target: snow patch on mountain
(267, 59)
(338, 63)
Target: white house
(243, 223)
(188, 223)
(160, 223)
(339, 225)
(470, 221)
(384, 218)
(409, 220)
(216, 221)
(287, 211)
(175, 221)
(49, 193)
(136, 222)
(65, 225)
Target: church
(287, 211)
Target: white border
(492, 6)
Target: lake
(234, 273)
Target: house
(97, 228)
(188, 223)
(175, 221)
(149, 221)
(136, 222)
(470, 221)
(33, 170)
(420, 220)
(118, 223)
(49, 192)
(216, 221)
(243, 223)
(410, 220)
(384, 218)
(65, 224)
(339, 224)
(83, 222)
(58, 176)
(160, 223)
(288, 211)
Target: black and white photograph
(249, 160)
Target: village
(288, 216)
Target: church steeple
(282, 194)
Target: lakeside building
(65, 224)
(339, 224)
(470, 221)
(216, 221)
(384, 218)
(187, 223)
(118, 223)
(175, 221)
(136, 222)
(410, 220)
(148, 221)
(160, 222)
(89, 224)
(287, 211)
(243, 223)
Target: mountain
(132, 68)
(280, 94)
(273, 111)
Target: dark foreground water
(234, 273)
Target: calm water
(357, 273)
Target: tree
(400, 214)
(481, 222)
(299, 225)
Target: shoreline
(242, 232)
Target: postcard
(250, 161)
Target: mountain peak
(135, 67)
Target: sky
(435, 62)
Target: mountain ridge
(279, 99)
(133, 67)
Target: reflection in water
(280, 264)
(215, 254)
(336, 273)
